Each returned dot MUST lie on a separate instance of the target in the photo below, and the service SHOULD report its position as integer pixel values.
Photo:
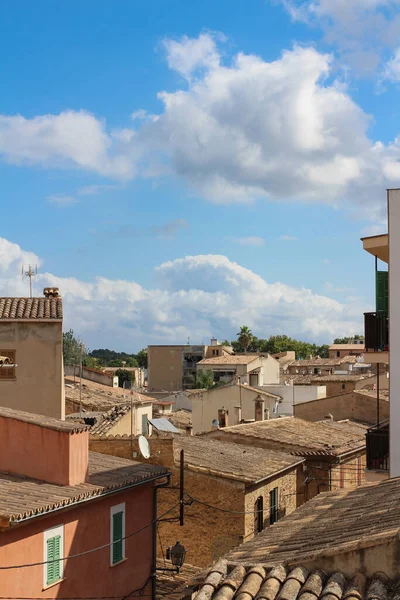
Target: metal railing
(377, 440)
(376, 331)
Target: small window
(338, 354)
(53, 555)
(145, 425)
(7, 357)
(273, 506)
(258, 515)
(117, 533)
(343, 386)
(315, 371)
(341, 476)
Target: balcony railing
(377, 439)
(376, 331)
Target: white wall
(394, 328)
(295, 394)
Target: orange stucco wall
(86, 526)
(43, 453)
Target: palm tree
(245, 337)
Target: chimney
(51, 292)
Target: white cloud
(196, 296)
(361, 30)
(61, 200)
(252, 240)
(391, 70)
(187, 55)
(288, 238)
(93, 190)
(241, 131)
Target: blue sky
(262, 142)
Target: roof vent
(51, 292)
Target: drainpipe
(154, 565)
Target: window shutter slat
(382, 291)
(53, 555)
(117, 535)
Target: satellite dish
(144, 447)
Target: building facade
(31, 337)
(57, 501)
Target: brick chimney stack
(51, 292)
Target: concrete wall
(86, 526)
(267, 365)
(350, 405)
(53, 456)
(92, 375)
(295, 394)
(39, 383)
(164, 371)
(205, 405)
(207, 533)
(394, 328)
(372, 381)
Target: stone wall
(351, 405)
(207, 532)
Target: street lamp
(176, 555)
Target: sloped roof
(22, 497)
(236, 359)
(231, 460)
(29, 309)
(162, 424)
(339, 378)
(329, 524)
(225, 581)
(320, 362)
(109, 419)
(305, 438)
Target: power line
(46, 562)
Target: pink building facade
(45, 520)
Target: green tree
(348, 339)
(141, 358)
(323, 351)
(72, 348)
(124, 376)
(245, 337)
(204, 380)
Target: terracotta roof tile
(297, 436)
(231, 460)
(23, 497)
(18, 309)
(236, 359)
(226, 581)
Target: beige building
(341, 350)
(319, 366)
(128, 419)
(31, 337)
(253, 369)
(173, 368)
(230, 405)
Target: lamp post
(176, 555)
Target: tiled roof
(327, 438)
(182, 418)
(225, 581)
(23, 497)
(297, 379)
(321, 362)
(98, 397)
(41, 421)
(230, 460)
(356, 347)
(18, 309)
(339, 378)
(329, 524)
(170, 584)
(110, 419)
(236, 359)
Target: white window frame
(113, 510)
(49, 533)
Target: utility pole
(80, 385)
(29, 271)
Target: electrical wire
(46, 562)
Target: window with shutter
(53, 555)
(7, 357)
(273, 506)
(382, 290)
(117, 534)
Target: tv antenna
(29, 271)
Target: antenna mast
(29, 271)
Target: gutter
(88, 499)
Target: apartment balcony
(377, 440)
(376, 333)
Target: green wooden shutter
(53, 554)
(382, 290)
(117, 554)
